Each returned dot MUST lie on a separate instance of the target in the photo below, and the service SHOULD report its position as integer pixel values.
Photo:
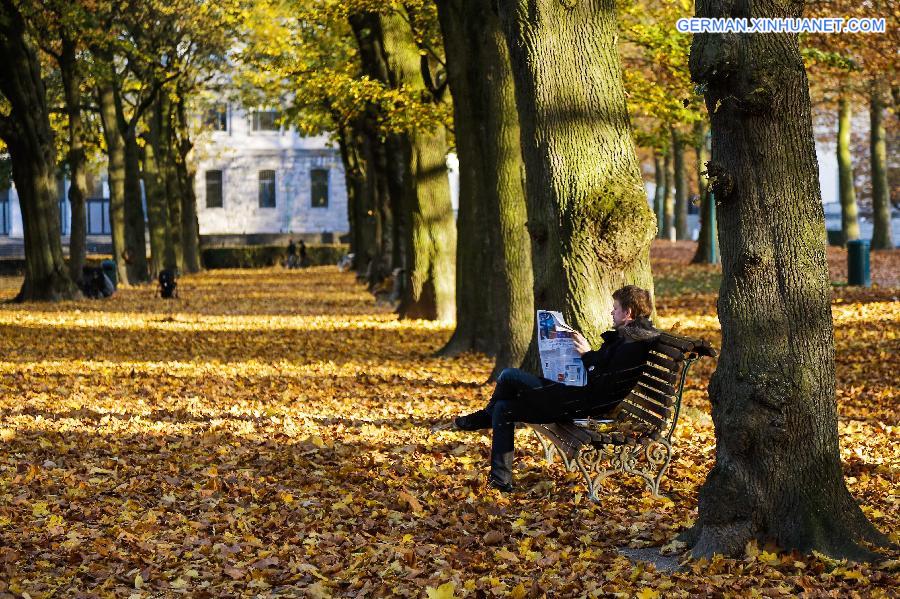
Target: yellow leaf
(769, 558)
(138, 581)
(39, 508)
(751, 550)
(445, 591)
(647, 593)
(518, 592)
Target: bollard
(858, 263)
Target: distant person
(523, 397)
(303, 261)
(292, 254)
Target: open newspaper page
(559, 360)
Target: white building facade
(253, 178)
(256, 178)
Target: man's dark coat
(609, 369)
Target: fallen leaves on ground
(267, 435)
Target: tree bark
(881, 201)
(588, 217)
(157, 205)
(681, 192)
(418, 166)
(27, 133)
(849, 212)
(659, 193)
(777, 474)
(668, 230)
(135, 227)
(166, 154)
(68, 68)
(189, 222)
(494, 283)
(701, 256)
(115, 152)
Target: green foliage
(655, 61)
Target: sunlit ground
(267, 435)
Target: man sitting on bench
(522, 397)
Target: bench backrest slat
(665, 399)
(653, 383)
(672, 352)
(665, 362)
(631, 410)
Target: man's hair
(632, 297)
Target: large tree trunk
(881, 201)
(27, 133)
(668, 230)
(157, 205)
(849, 213)
(115, 152)
(166, 154)
(358, 156)
(681, 191)
(494, 282)
(189, 222)
(68, 65)
(588, 217)
(701, 256)
(135, 228)
(777, 474)
(430, 286)
(659, 177)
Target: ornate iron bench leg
(549, 448)
(659, 455)
(587, 459)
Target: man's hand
(581, 344)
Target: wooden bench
(636, 437)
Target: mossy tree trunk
(494, 282)
(418, 163)
(29, 137)
(659, 177)
(846, 190)
(681, 190)
(881, 201)
(358, 156)
(588, 217)
(190, 225)
(115, 153)
(71, 80)
(388, 155)
(777, 474)
(157, 205)
(701, 256)
(430, 286)
(135, 224)
(668, 230)
(167, 158)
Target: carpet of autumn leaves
(267, 435)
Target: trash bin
(109, 269)
(858, 263)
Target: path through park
(267, 435)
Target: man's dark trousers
(507, 407)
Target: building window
(266, 189)
(216, 118)
(265, 120)
(213, 189)
(98, 216)
(4, 211)
(319, 188)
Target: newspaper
(559, 360)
